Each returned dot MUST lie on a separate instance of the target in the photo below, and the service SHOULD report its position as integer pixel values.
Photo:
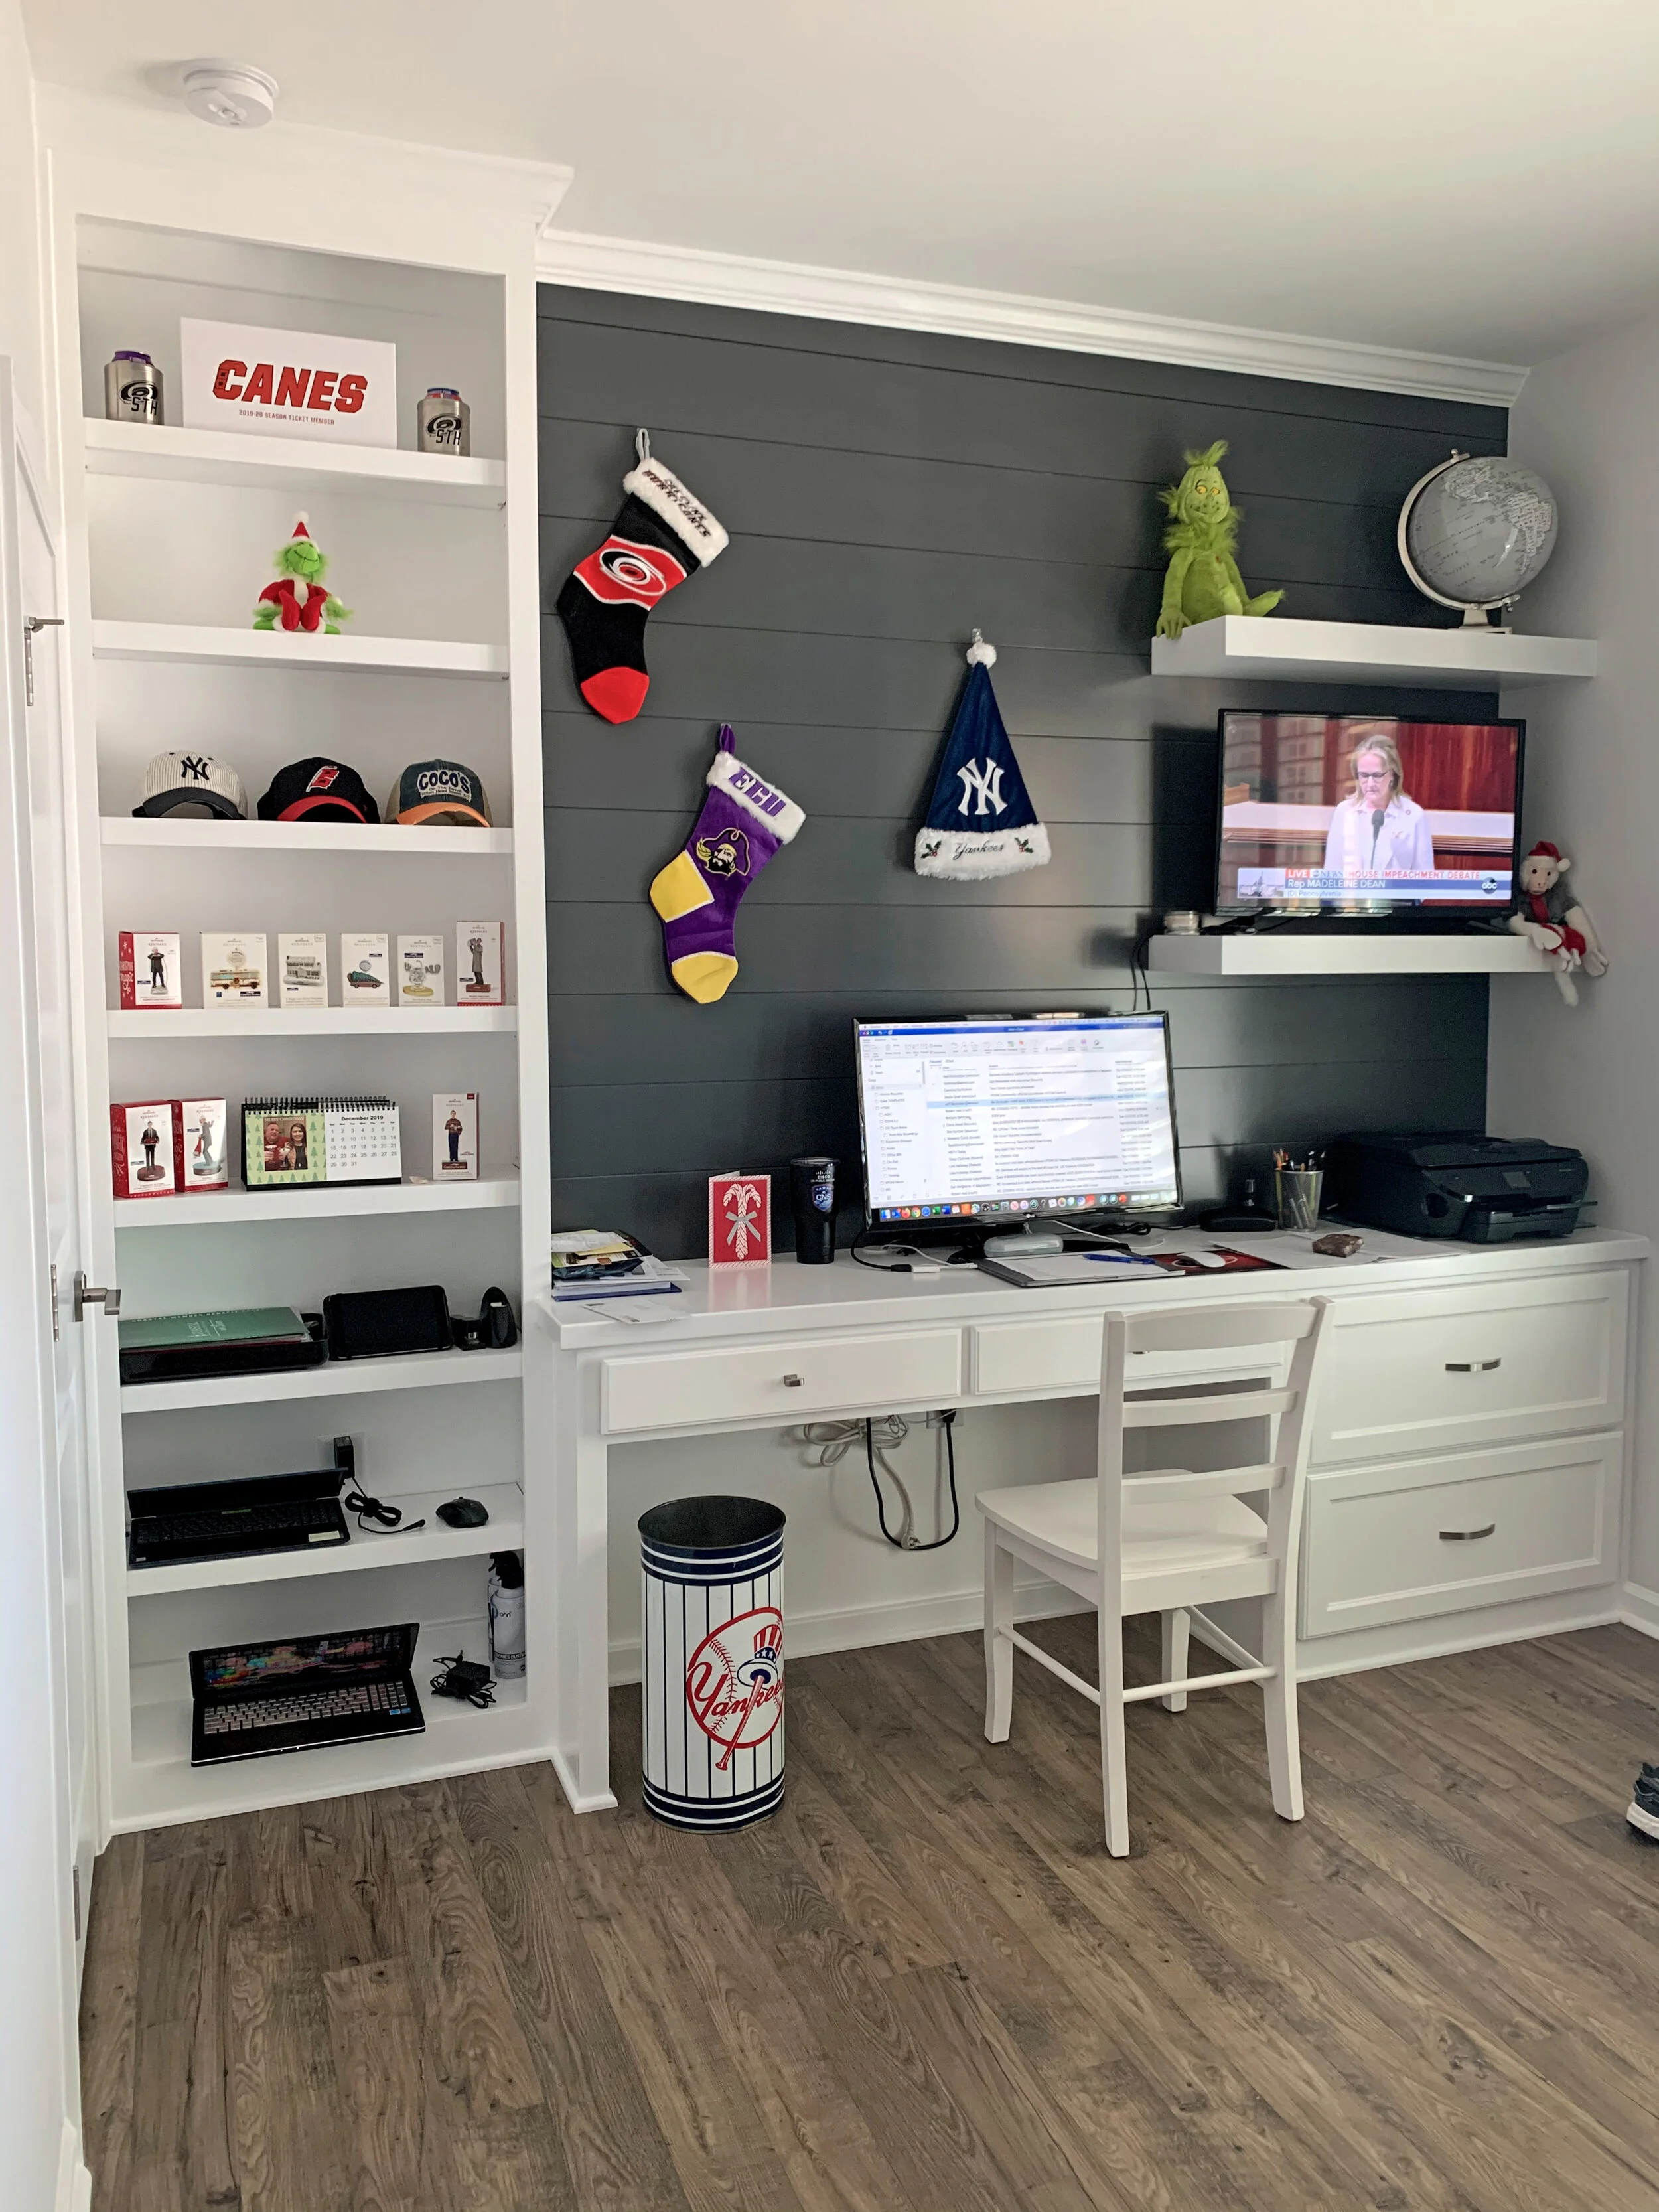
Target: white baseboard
(1641, 1609)
(1472, 1637)
(74, 2181)
(850, 1628)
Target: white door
(38, 571)
(45, 1737)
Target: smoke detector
(235, 95)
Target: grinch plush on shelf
(1203, 579)
(299, 599)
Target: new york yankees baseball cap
(318, 790)
(192, 784)
(440, 791)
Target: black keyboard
(389, 1697)
(252, 1528)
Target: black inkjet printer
(1487, 1190)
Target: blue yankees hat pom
(982, 822)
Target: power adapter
(464, 1678)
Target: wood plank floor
(924, 1987)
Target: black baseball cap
(318, 790)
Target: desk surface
(725, 1304)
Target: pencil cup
(1295, 1196)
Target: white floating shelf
(336, 1378)
(314, 1021)
(1265, 649)
(314, 1202)
(369, 1547)
(199, 644)
(295, 839)
(1284, 952)
(165, 454)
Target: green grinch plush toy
(299, 599)
(1203, 579)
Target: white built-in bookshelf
(170, 534)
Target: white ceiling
(1471, 177)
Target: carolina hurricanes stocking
(662, 536)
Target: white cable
(829, 1442)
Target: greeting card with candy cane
(740, 1220)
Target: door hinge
(54, 1301)
(75, 1888)
(31, 624)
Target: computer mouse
(1207, 1259)
(464, 1513)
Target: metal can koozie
(132, 389)
(713, 1620)
(444, 423)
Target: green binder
(239, 1325)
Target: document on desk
(1126, 1269)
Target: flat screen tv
(1367, 814)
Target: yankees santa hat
(663, 535)
(981, 822)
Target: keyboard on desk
(308, 1705)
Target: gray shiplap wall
(885, 491)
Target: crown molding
(93, 127)
(845, 295)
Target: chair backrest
(1273, 1328)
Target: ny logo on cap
(982, 779)
(195, 768)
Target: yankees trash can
(712, 1610)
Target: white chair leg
(1177, 1630)
(1279, 1702)
(1114, 1751)
(999, 1651)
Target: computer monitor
(1367, 814)
(994, 1123)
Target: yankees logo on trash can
(713, 1661)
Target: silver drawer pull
(1472, 1366)
(792, 1382)
(1467, 1535)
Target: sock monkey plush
(1203, 578)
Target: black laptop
(254, 1698)
(242, 1515)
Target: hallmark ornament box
(302, 968)
(205, 1154)
(234, 968)
(455, 1136)
(480, 964)
(144, 1148)
(365, 968)
(740, 1220)
(152, 973)
(421, 972)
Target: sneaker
(1643, 1811)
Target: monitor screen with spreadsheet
(999, 1119)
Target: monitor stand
(1024, 1245)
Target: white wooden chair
(1172, 1541)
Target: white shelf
(165, 454)
(1265, 649)
(457, 1739)
(312, 1021)
(369, 1547)
(314, 1202)
(200, 644)
(1279, 952)
(295, 839)
(342, 1378)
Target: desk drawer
(1064, 1356)
(1519, 1522)
(1423, 1370)
(840, 1373)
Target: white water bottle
(507, 1615)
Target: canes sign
(289, 384)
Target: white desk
(1466, 1386)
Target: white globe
(1480, 530)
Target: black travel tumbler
(812, 1191)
